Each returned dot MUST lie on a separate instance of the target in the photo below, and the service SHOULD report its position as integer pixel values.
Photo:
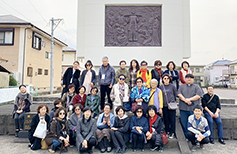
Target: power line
(14, 9)
(39, 13)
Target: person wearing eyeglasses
(138, 126)
(145, 74)
(72, 122)
(124, 71)
(139, 95)
(157, 72)
(59, 132)
(120, 92)
(169, 95)
(88, 77)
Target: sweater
(109, 75)
(171, 93)
(124, 72)
(78, 100)
(26, 97)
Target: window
(46, 72)
(232, 70)
(6, 36)
(39, 71)
(36, 41)
(197, 70)
(197, 77)
(192, 69)
(29, 71)
(47, 55)
(232, 80)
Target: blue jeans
(218, 123)
(19, 120)
(56, 143)
(184, 120)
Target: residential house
(4, 74)
(28, 49)
(198, 72)
(232, 73)
(213, 73)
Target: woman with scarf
(156, 127)
(42, 117)
(93, 101)
(184, 71)
(120, 92)
(156, 96)
(105, 122)
(21, 106)
(59, 132)
(88, 77)
(86, 128)
(145, 74)
(157, 72)
(81, 97)
(139, 95)
(134, 67)
(67, 99)
(119, 132)
(173, 73)
(72, 122)
(139, 127)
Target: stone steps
(227, 101)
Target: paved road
(225, 93)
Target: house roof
(3, 69)
(232, 62)
(219, 63)
(2, 59)
(68, 49)
(13, 20)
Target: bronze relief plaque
(133, 26)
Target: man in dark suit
(71, 76)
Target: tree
(12, 81)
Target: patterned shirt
(133, 76)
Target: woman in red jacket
(81, 97)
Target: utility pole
(51, 67)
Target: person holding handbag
(139, 95)
(156, 96)
(169, 96)
(156, 128)
(43, 118)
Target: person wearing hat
(198, 129)
(189, 95)
(21, 106)
(145, 74)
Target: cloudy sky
(213, 24)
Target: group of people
(150, 95)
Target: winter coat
(96, 103)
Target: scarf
(124, 116)
(152, 122)
(61, 128)
(70, 98)
(159, 71)
(121, 91)
(144, 74)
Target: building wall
(4, 78)
(214, 74)
(233, 75)
(198, 74)
(36, 59)
(175, 33)
(68, 58)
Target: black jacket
(123, 126)
(159, 128)
(36, 142)
(93, 78)
(156, 75)
(67, 78)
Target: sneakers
(109, 149)
(154, 148)
(193, 148)
(171, 136)
(102, 150)
(202, 146)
